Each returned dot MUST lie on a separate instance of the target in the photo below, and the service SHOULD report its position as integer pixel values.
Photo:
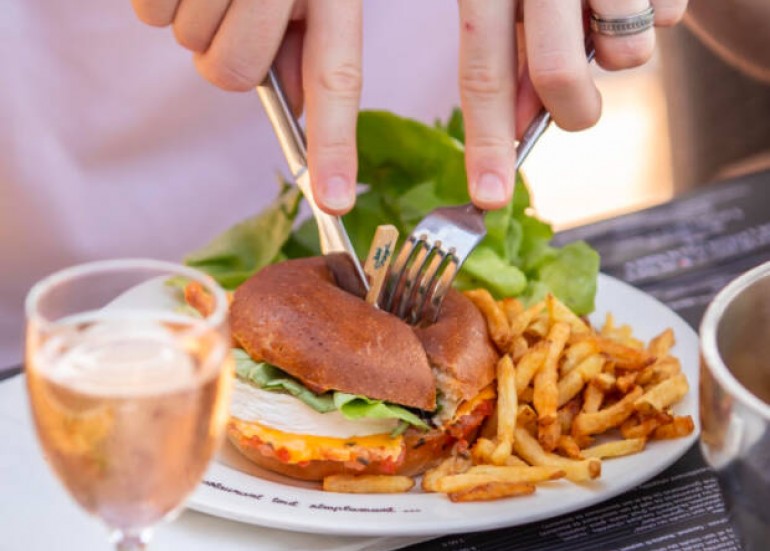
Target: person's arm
(738, 31)
(316, 48)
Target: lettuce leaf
(235, 255)
(269, 377)
(570, 274)
(353, 406)
(408, 169)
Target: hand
(499, 101)
(316, 47)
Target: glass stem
(131, 541)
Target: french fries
(622, 334)
(577, 471)
(546, 389)
(659, 371)
(367, 484)
(497, 322)
(567, 414)
(546, 397)
(520, 323)
(592, 398)
(663, 394)
(529, 364)
(577, 352)
(574, 381)
(625, 356)
(569, 396)
(507, 408)
(642, 428)
(560, 313)
(660, 345)
(527, 418)
(560, 384)
(615, 448)
(519, 347)
(512, 308)
(492, 490)
(607, 418)
(548, 435)
(677, 428)
(569, 447)
(484, 474)
(450, 466)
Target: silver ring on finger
(623, 26)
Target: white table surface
(36, 513)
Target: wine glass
(129, 386)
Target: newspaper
(683, 253)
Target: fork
(436, 249)
(331, 231)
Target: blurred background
(621, 164)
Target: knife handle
(290, 136)
(542, 120)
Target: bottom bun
(424, 450)
(421, 451)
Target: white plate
(234, 488)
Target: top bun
(295, 316)
(459, 348)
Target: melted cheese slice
(298, 448)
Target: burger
(327, 384)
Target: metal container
(735, 400)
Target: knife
(331, 230)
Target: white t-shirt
(111, 145)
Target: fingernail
(490, 188)
(336, 194)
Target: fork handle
(531, 135)
(331, 231)
(542, 121)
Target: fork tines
(429, 260)
(418, 279)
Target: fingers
(527, 104)
(332, 82)
(622, 52)
(158, 13)
(487, 76)
(235, 41)
(669, 12)
(197, 21)
(557, 62)
(245, 44)
(288, 65)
